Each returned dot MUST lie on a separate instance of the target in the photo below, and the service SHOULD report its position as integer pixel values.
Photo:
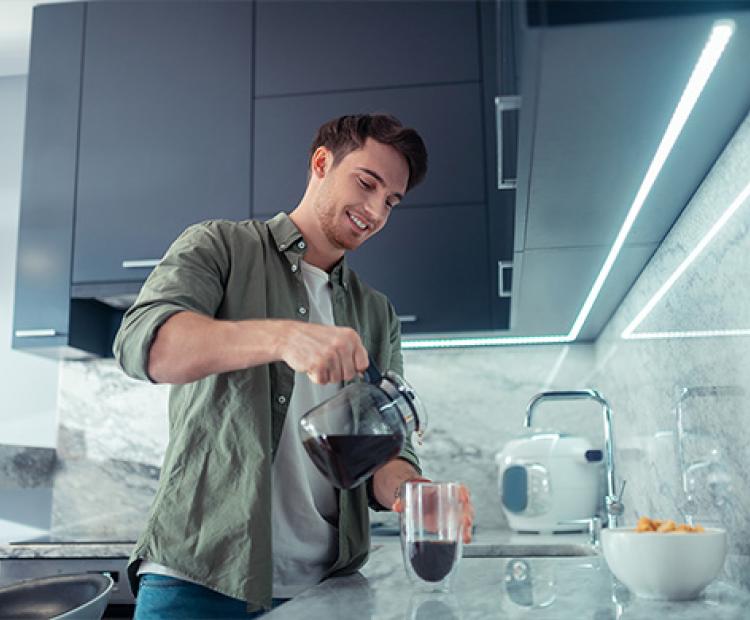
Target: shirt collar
(284, 232)
(287, 235)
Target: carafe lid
(415, 418)
(395, 386)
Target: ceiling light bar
(696, 251)
(717, 41)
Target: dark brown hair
(348, 133)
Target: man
(255, 323)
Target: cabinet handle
(145, 263)
(503, 104)
(37, 333)
(407, 318)
(502, 266)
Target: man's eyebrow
(380, 179)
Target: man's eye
(364, 184)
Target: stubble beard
(328, 217)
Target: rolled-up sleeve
(190, 277)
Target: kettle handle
(372, 374)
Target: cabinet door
(449, 119)
(48, 188)
(309, 47)
(165, 129)
(432, 263)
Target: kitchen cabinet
(432, 257)
(144, 118)
(501, 35)
(440, 89)
(318, 47)
(164, 136)
(44, 310)
(138, 124)
(415, 260)
(596, 98)
(449, 118)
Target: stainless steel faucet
(613, 500)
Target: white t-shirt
(304, 510)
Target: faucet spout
(613, 499)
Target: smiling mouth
(358, 222)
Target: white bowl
(669, 566)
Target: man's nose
(377, 211)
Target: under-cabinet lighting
(489, 341)
(706, 333)
(717, 41)
(669, 282)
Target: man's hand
(431, 518)
(328, 354)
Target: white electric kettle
(548, 479)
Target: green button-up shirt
(211, 517)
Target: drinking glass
(431, 533)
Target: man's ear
(320, 162)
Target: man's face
(356, 196)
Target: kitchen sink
(529, 550)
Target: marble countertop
(484, 589)
(483, 542)
(559, 588)
(65, 550)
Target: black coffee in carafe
(362, 427)
(347, 460)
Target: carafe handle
(372, 374)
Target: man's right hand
(328, 354)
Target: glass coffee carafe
(362, 427)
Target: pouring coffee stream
(362, 427)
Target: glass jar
(362, 427)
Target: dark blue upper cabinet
(42, 299)
(166, 117)
(433, 265)
(313, 47)
(448, 117)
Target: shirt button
(282, 399)
(294, 268)
(302, 310)
(301, 245)
(282, 246)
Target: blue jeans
(161, 597)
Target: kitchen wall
(693, 350)
(28, 384)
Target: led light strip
(717, 41)
(720, 34)
(669, 282)
(707, 333)
(445, 343)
